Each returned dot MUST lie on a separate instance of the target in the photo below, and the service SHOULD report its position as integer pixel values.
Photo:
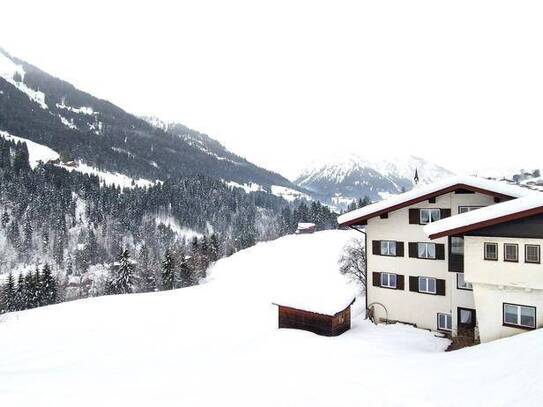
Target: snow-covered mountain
(342, 178)
(53, 113)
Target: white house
(502, 262)
(415, 279)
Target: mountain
(99, 135)
(342, 178)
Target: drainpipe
(365, 266)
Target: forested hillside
(169, 233)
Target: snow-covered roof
(293, 272)
(502, 212)
(305, 225)
(422, 192)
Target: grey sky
(460, 83)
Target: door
(466, 322)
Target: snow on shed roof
(420, 193)
(487, 216)
(305, 225)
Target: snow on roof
(403, 199)
(493, 212)
(305, 225)
(297, 273)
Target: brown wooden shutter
(440, 251)
(445, 213)
(440, 287)
(376, 247)
(414, 216)
(376, 279)
(414, 284)
(399, 249)
(413, 249)
(400, 284)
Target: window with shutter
(414, 216)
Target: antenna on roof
(416, 177)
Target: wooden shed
(305, 228)
(321, 324)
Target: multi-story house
(502, 263)
(412, 278)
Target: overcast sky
(459, 83)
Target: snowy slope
(36, 152)
(344, 177)
(217, 345)
(109, 178)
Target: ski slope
(217, 345)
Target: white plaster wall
(496, 282)
(407, 306)
(489, 301)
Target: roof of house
(487, 216)
(305, 225)
(421, 193)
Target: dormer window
(429, 216)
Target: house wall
(498, 282)
(412, 307)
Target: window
(466, 318)
(388, 280)
(457, 245)
(510, 252)
(388, 248)
(429, 215)
(491, 251)
(519, 315)
(464, 209)
(461, 283)
(427, 285)
(427, 250)
(444, 322)
(531, 254)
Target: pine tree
(48, 286)
(37, 294)
(186, 273)
(9, 294)
(28, 299)
(123, 279)
(20, 293)
(5, 219)
(168, 271)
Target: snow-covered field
(218, 345)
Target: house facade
(502, 261)
(415, 279)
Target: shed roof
(421, 193)
(490, 215)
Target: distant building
(305, 228)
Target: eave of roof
(489, 216)
(481, 185)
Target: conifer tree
(9, 294)
(123, 279)
(168, 271)
(20, 293)
(48, 287)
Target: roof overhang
(452, 188)
(461, 230)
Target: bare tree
(352, 262)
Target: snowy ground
(217, 345)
